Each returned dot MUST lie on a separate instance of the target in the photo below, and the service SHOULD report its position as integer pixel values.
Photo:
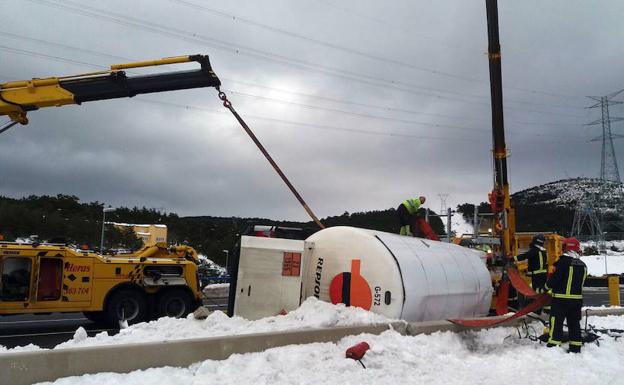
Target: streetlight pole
(104, 211)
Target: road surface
(48, 331)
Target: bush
(590, 250)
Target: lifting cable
(7, 125)
(227, 104)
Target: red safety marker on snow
(357, 352)
(539, 302)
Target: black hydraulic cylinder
(118, 85)
(496, 93)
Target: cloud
(361, 103)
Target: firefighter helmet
(571, 244)
(538, 240)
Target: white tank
(400, 277)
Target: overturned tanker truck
(400, 277)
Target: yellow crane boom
(19, 97)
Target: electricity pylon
(608, 166)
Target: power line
(49, 57)
(320, 126)
(335, 46)
(91, 52)
(438, 40)
(368, 116)
(283, 121)
(430, 125)
(295, 35)
(7, 34)
(292, 34)
(388, 108)
(405, 121)
(100, 14)
(305, 124)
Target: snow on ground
(483, 357)
(596, 264)
(311, 314)
(613, 247)
(217, 285)
(614, 256)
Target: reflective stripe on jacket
(569, 277)
(412, 205)
(536, 258)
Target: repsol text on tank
(317, 278)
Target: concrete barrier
(25, 368)
(602, 312)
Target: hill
(551, 206)
(568, 192)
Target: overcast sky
(362, 103)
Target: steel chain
(223, 97)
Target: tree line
(65, 218)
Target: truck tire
(175, 303)
(127, 304)
(95, 316)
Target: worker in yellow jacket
(407, 212)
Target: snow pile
(311, 314)
(25, 348)
(216, 290)
(483, 357)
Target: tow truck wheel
(129, 305)
(95, 316)
(174, 303)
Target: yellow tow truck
(43, 278)
(153, 282)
